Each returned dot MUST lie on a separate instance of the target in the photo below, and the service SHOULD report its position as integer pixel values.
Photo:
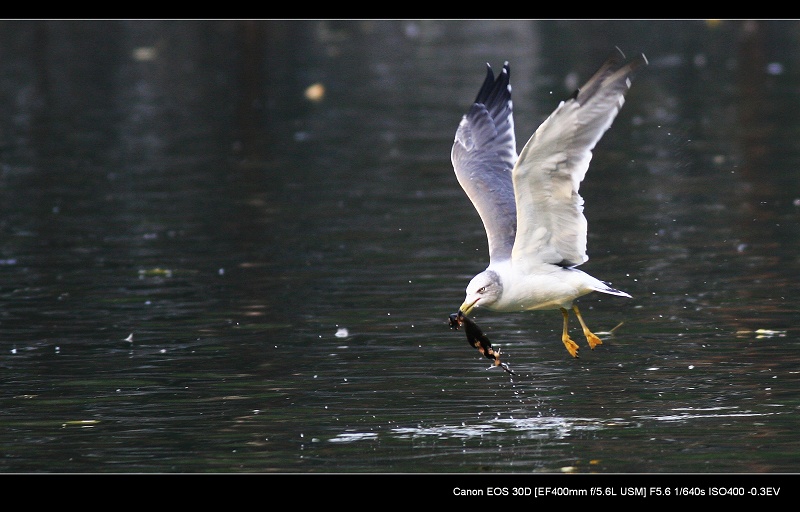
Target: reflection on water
(286, 267)
(530, 428)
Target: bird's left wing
(483, 155)
(551, 227)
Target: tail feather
(613, 291)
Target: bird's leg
(572, 347)
(590, 336)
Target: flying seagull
(529, 204)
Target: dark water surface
(202, 270)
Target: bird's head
(483, 291)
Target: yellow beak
(467, 306)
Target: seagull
(529, 204)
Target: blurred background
(233, 246)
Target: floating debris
(315, 92)
(144, 53)
(155, 272)
(762, 333)
(80, 423)
(769, 333)
(609, 333)
(342, 332)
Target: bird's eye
(481, 289)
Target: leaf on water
(155, 272)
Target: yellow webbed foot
(591, 338)
(571, 346)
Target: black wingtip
(615, 67)
(488, 84)
(495, 91)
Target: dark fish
(477, 339)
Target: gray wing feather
(483, 155)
